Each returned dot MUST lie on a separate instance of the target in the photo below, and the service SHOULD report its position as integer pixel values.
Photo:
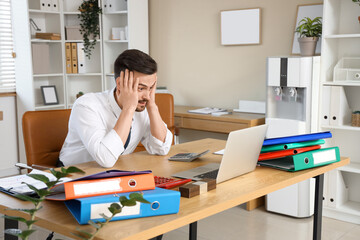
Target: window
(7, 62)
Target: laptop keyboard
(212, 174)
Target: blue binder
(297, 138)
(162, 202)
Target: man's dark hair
(134, 60)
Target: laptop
(241, 154)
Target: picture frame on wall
(311, 11)
(241, 27)
(49, 95)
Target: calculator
(187, 157)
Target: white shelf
(42, 107)
(350, 207)
(37, 40)
(48, 75)
(352, 167)
(342, 83)
(72, 13)
(116, 41)
(83, 74)
(109, 74)
(116, 12)
(343, 127)
(80, 41)
(337, 36)
(42, 11)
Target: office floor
(237, 223)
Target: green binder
(304, 160)
(279, 147)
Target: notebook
(240, 156)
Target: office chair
(165, 103)
(44, 134)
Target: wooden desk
(231, 193)
(219, 124)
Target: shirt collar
(114, 106)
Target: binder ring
(132, 183)
(155, 205)
(306, 160)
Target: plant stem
(103, 224)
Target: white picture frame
(312, 11)
(241, 27)
(49, 95)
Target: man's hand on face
(127, 90)
(151, 101)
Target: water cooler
(292, 108)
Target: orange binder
(68, 57)
(284, 153)
(74, 60)
(95, 187)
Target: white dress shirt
(92, 136)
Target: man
(105, 125)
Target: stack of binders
(88, 197)
(294, 153)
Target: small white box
(347, 69)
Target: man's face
(146, 85)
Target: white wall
(197, 69)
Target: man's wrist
(152, 107)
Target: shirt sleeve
(104, 145)
(154, 145)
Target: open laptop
(240, 156)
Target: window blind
(7, 61)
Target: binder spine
(74, 60)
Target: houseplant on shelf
(309, 31)
(89, 24)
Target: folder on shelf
(304, 160)
(108, 182)
(81, 58)
(68, 57)
(284, 153)
(43, 5)
(340, 112)
(74, 60)
(40, 58)
(162, 202)
(297, 138)
(280, 147)
(325, 111)
(54, 5)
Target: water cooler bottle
(291, 108)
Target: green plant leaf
(95, 225)
(138, 197)
(72, 169)
(20, 219)
(80, 236)
(104, 216)
(30, 222)
(39, 177)
(30, 211)
(115, 208)
(51, 184)
(28, 198)
(127, 202)
(39, 192)
(26, 233)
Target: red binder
(284, 153)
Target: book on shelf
(48, 36)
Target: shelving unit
(131, 15)
(98, 75)
(341, 31)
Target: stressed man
(105, 125)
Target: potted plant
(309, 32)
(89, 24)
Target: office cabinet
(339, 96)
